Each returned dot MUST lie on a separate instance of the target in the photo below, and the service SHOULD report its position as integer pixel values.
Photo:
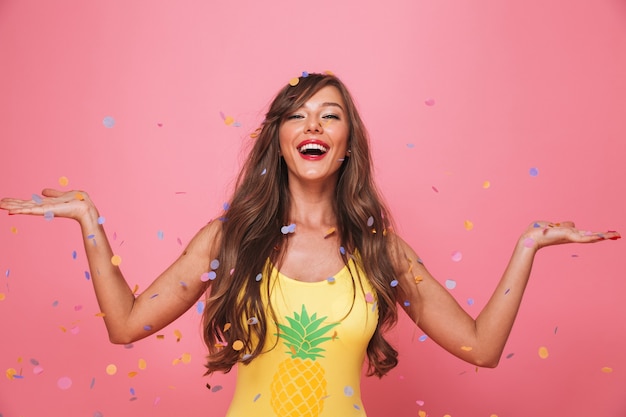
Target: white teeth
(312, 146)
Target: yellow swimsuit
(315, 368)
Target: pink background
(454, 94)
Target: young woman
(303, 271)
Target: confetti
(466, 348)
(116, 260)
(607, 370)
(111, 369)
(228, 120)
(214, 264)
(237, 345)
(63, 181)
(142, 364)
(2, 296)
(101, 220)
(294, 81)
(331, 280)
(108, 122)
(410, 145)
(264, 171)
(256, 397)
(37, 199)
(450, 284)
(10, 373)
(14, 230)
(74, 255)
(147, 327)
(48, 215)
(253, 320)
(486, 184)
(200, 307)
(216, 388)
(342, 250)
(259, 277)
(435, 189)
(370, 221)
(423, 338)
(369, 298)
(543, 352)
(132, 374)
(288, 229)
(420, 403)
(394, 283)
(533, 172)
(348, 391)
(468, 225)
(64, 383)
(456, 256)
(160, 234)
(421, 413)
(529, 242)
(186, 358)
(430, 102)
(470, 301)
(178, 335)
(329, 232)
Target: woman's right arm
(128, 317)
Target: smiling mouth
(312, 149)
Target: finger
(51, 192)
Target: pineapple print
(299, 386)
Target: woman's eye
(331, 116)
(294, 116)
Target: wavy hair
(251, 234)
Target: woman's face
(314, 138)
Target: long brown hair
(251, 234)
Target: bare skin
(312, 253)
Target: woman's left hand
(541, 234)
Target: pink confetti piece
(64, 383)
(456, 256)
(529, 242)
(430, 102)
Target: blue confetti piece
(101, 220)
(533, 172)
(394, 283)
(356, 407)
(407, 303)
(200, 307)
(215, 264)
(410, 145)
(37, 199)
(74, 254)
(154, 295)
(470, 301)
(48, 215)
(331, 280)
(55, 303)
(259, 277)
(147, 328)
(419, 261)
(423, 338)
(132, 391)
(183, 284)
(536, 225)
(98, 414)
(370, 221)
(510, 355)
(87, 275)
(450, 284)
(34, 362)
(216, 388)
(305, 74)
(507, 291)
(108, 122)
(211, 275)
(264, 171)
(92, 236)
(226, 206)
(160, 235)
(288, 229)
(93, 382)
(7, 273)
(342, 250)
(256, 397)
(348, 391)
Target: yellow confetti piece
(132, 374)
(418, 279)
(294, 81)
(111, 369)
(607, 370)
(421, 413)
(186, 358)
(466, 348)
(543, 352)
(2, 296)
(79, 196)
(116, 260)
(176, 361)
(486, 184)
(63, 329)
(229, 120)
(255, 134)
(100, 314)
(160, 336)
(63, 181)
(142, 364)
(11, 372)
(14, 230)
(178, 335)
(329, 232)
(237, 345)
(135, 288)
(468, 225)
(226, 327)
(447, 415)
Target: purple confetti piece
(394, 283)
(87, 276)
(450, 284)
(259, 277)
(48, 215)
(214, 264)
(264, 171)
(108, 122)
(423, 338)
(200, 307)
(533, 172)
(37, 199)
(160, 235)
(342, 250)
(370, 221)
(331, 280)
(101, 220)
(74, 254)
(147, 327)
(256, 397)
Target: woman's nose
(314, 125)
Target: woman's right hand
(69, 204)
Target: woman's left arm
(479, 341)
